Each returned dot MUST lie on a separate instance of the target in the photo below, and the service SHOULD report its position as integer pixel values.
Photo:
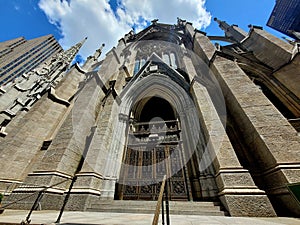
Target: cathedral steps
(148, 207)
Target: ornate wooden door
(148, 157)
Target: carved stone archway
(162, 86)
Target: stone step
(153, 203)
(148, 207)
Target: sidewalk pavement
(80, 218)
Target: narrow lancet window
(166, 59)
(136, 67)
(173, 61)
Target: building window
(142, 63)
(166, 59)
(170, 59)
(173, 61)
(136, 66)
(139, 63)
(167, 56)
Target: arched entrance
(154, 149)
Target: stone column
(21, 148)
(270, 140)
(95, 181)
(52, 122)
(237, 191)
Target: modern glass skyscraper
(285, 17)
(18, 56)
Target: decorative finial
(180, 21)
(251, 26)
(102, 46)
(82, 41)
(218, 21)
(222, 24)
(98, 52)
(154, 21)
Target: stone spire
(98, 52)
(232, 32)
(70, 54)
(21, 94)
(92, 60)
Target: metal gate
(150, 154)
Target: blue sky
(107, 21)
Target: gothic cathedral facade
(221, 122)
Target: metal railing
(163, 195)
(40, 190)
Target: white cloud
(96, 20)
(81, 18)
(167, 11)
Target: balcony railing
(162, 132)
(142, 128)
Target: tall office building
(18, 56)
(285, 18)
(220, 122)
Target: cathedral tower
(166, 101)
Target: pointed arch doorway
(154, 148)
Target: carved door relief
(151, 154)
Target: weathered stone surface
(269, 49)
(289, 75)
(235, 179)
(260, 124)
(80, 201)
(246, 205)
(84, 128)
(230, 176)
